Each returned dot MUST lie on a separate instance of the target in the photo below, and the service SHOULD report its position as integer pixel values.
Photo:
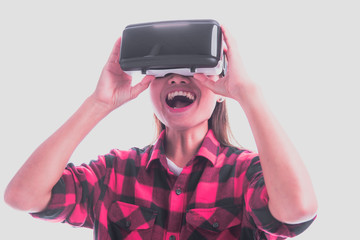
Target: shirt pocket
(212, 222)
(129, 221)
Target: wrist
(98, 105)
(248, 94)
(97, 108)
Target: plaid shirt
(220, 194)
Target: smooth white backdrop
(304, 54)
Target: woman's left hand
(236, 81)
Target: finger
(225, 47)
(230, 42)
(232, 52)
(141, 86)
(204, 80)
(115, 53)
(228, 38)
(200, 77)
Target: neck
(182, 145)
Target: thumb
(141, 86)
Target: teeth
(181, 93)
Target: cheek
(154, 93)
(152, 97)
(208, 105)
(211, 109)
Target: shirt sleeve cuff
(58, 207)
(268, 223)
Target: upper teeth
(181, 93)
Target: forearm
(291, 195)
(30, 189)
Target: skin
(291, 194)
(184, 131)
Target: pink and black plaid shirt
(220, 194)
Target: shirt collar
(209, 149)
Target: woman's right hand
(31, 187)
(114, 86)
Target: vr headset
(183, 47)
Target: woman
(191, 184)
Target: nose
(178, 79)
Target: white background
(304, 54)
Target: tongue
(180, 104)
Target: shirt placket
(177, 201)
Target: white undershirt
(173, 168)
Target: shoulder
(238, 155)
(240, 159)
(134, 154)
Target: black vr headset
(183, 47)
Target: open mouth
(180, 99)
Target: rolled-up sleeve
(74, 196)
(257, 208)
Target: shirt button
(172, 237)
(215, 225)
(127, 224)
(178, 191)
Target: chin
(183, 126)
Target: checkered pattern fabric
(220, 194)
